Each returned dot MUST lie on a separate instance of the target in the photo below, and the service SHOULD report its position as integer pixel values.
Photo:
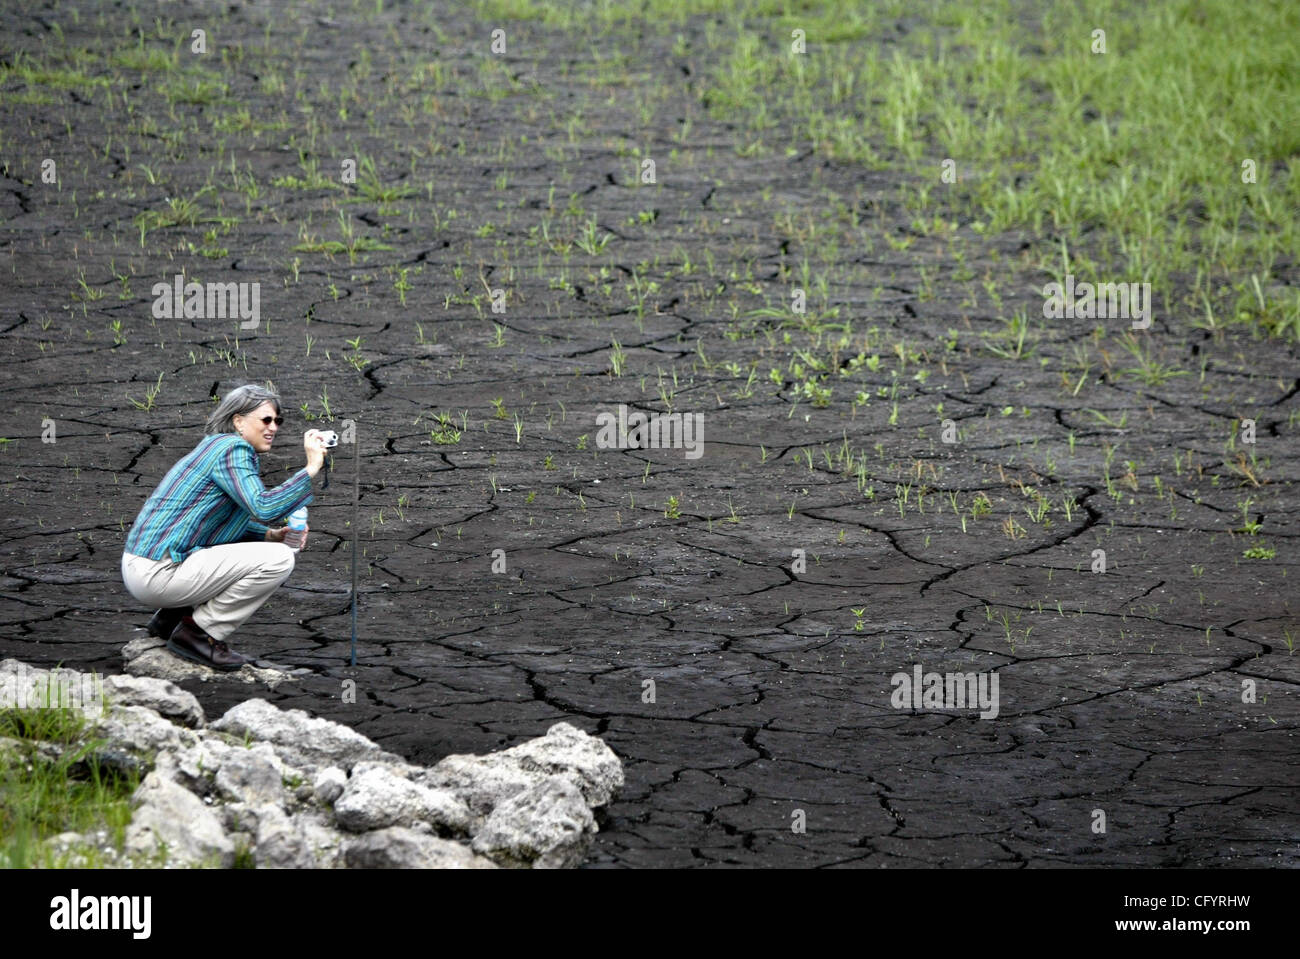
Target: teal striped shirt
(213, 495)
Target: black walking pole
(356, 500)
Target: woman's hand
(313, 445)
(277, 535)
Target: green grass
(351, 244)
(312, 178)
(42, 797)
(145, 59)
(176, 211)
(1149, 370)
(195, 91)
(70, 77)
(446, 433)
(371, 188)
(1117, 145)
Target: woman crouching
(200, 548)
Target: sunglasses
(266, 420)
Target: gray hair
(240, 401)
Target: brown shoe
(165, 621)
(189, 641)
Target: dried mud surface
(1120, 691)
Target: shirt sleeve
(236, 473)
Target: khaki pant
(225, 584)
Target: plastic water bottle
(297, 528)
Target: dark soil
(1120, 691)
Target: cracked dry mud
(1120, 691)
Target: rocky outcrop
(171, 823)
(376, 796)
(147, 656)
(281, 789)
(164, 698)
(565, 751)
(545, 825)
(305, 742)
(400, 848)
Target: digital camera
(330, 437)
